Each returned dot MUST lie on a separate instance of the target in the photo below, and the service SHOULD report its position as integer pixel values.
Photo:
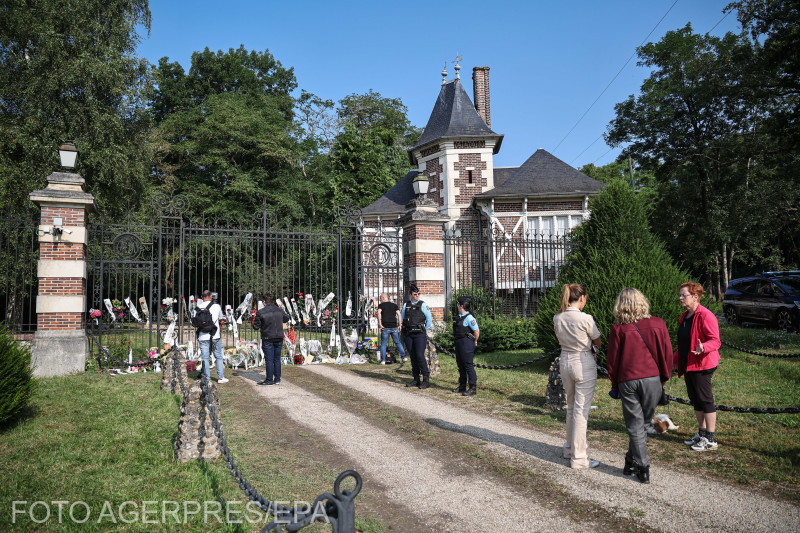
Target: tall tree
(696, 125)
(369, 154)
(70, 72)
(227, 136)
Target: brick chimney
(480, 92)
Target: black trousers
(465, 359)
(415, 347)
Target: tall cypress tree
(615, 249)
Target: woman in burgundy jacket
(697, 357)
(639, 363)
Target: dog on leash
(660, 424)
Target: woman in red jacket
(698, 357)
(639, 360)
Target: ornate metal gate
(165, 265)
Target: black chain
(339, 506)
(762, 354)
(441, 349)
(755, 410)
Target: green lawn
(93, 438)
(758, 450)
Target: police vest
(414, 319)
(459, 329)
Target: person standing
(698, 357)
(417, 320)
(211, 340)
(269, 321)
(577, 332)
(389, 324)
(466, 333)
(639, 360)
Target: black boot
(414, 383)
(460, 388)
(425, 383)
(630, 468)
(470, 391)
(643, 474)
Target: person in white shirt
(577, 333)
(207, 340)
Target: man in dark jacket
(270, 320)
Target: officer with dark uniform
(417, 320)
(466, 333)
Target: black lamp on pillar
(68, 154)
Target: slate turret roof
(543, 174)
(454, 117)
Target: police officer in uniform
(466, 333)
(417, 320)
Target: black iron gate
(143, 278)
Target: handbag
(664, 400)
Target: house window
(469, 176)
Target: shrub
(16, 377)
(615, 249)
(484, 303)
(497, 335)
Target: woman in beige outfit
(576, 332)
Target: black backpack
(203, 321)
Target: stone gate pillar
(60, 345)
(423, 252)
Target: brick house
(504, 227)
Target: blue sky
(549, 60)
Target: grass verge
(90, 439)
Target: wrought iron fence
(19, 252)
(166, 266)
(509, 272)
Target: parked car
(769, 297)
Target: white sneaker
(383, 362)
(705, 445)
(593, 463)
(223, 380)
(694, 440)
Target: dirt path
(435, 476)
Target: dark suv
(772, 297)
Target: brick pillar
(423, 252)
(59, 345)
(480, 93)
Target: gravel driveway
(443, 497)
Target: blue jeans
(385, 332)
(204, 352)
(272, 356)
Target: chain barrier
(339, 507)
(762, 354)
(604, 371)
(441, 349)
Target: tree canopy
(72, 74)
(705, 125)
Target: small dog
(660, 424)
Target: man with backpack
(417, 320)
(269, 321)
(206, 320)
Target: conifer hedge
(615, 249)
(16, 377)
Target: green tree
(615, 249)
(697, 125)
(70, 72)
(227, 136)
(370, 153)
